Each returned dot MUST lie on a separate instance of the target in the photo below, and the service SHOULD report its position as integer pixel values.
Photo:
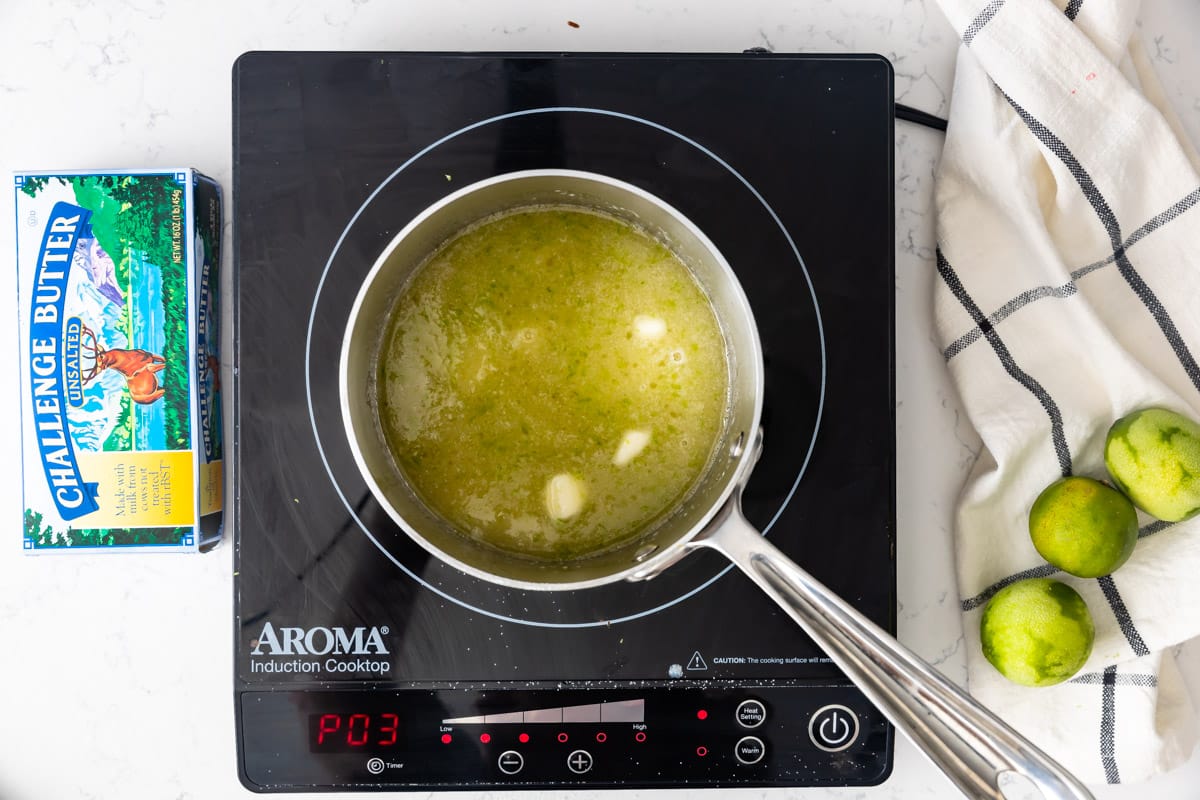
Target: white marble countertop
(103, 657)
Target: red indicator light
(523, 738)
(640, 736)
(702, 714)
(702, 751)
(601, 737)
(562, 737)
(447, 738)
(485, 737)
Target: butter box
(121, 429)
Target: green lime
(1154, 457)
(1083, 527)
(1037, 632)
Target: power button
(833, 728)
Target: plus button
(579, 762)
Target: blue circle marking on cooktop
(329, 263)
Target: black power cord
(914, 115)
(906, 113)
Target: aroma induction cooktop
(362, 662)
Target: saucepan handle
(966, 741)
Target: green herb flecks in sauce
(552, 381)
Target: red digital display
(350, 733)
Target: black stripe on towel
(1158, 220)
(1097, 678)
(984, 18)
(1108, 726)
(1109, 220)
(1057, 433)
(1109, 587)
(1002, 313)
(1153, 528)
(1044, 571)
(1072, 9)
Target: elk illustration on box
(138, 366)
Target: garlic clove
(564, 496)
(632, 444)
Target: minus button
(510, 762)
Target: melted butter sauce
(552, 381)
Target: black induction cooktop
(364, 663)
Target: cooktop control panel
(597, 737)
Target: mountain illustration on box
(118, 362)
(128, 290)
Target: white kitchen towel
(1068, 295)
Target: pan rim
(754, 362)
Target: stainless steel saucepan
(967, 742)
